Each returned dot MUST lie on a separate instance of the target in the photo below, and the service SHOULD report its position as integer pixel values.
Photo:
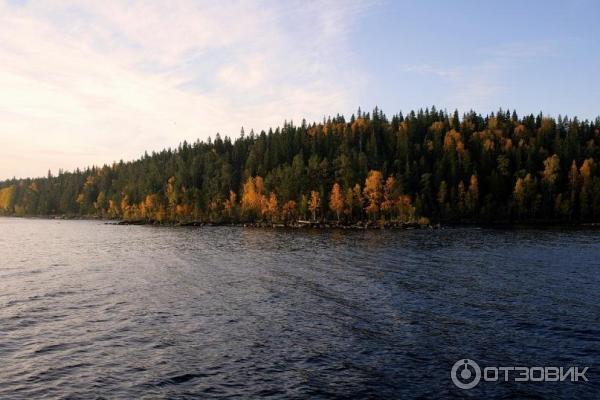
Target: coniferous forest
(424, 167)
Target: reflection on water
(95, 310)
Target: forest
(425, 167)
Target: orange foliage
(388, 195)
(289, 213)
(252, 197)
(271, 208)
(230, 204)
(360, 125)
(520, 130)
(586, 171)
(373, 191)
(336, 200)
(453, 139)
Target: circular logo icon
(465, 374)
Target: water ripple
(89, 310)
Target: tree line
(428, 166)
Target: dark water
(89, 310)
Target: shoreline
(299, 225)
(333, 225)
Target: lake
(93, 310)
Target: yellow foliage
(271, 207)
(551, 169)
(586, 171)
(519, 190)
(252, 197)
(360, 125)
(336, 200)
(149, 206)
(314, 130)
(259, 184)
(230, 204)
(473, 195)
(183, 211)
(453, 139)
(373, 191)
(126, 208)
(520, 130)
(113, 209)
(7, 196)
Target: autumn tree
(336, 200)
(252, 198)
(586, 172)
(272, 208)
(550, 176)
(520, 196)
(373, 191)
(289, 212)
(314, 203)
(551, 170)
(231, 205)
(389, 196)
(7, 198)
(525, 195)
(473, 195)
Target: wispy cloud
(99, 81)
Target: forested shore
(422, 168)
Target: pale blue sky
(528, 55)
(90, 82)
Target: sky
(91, 82)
